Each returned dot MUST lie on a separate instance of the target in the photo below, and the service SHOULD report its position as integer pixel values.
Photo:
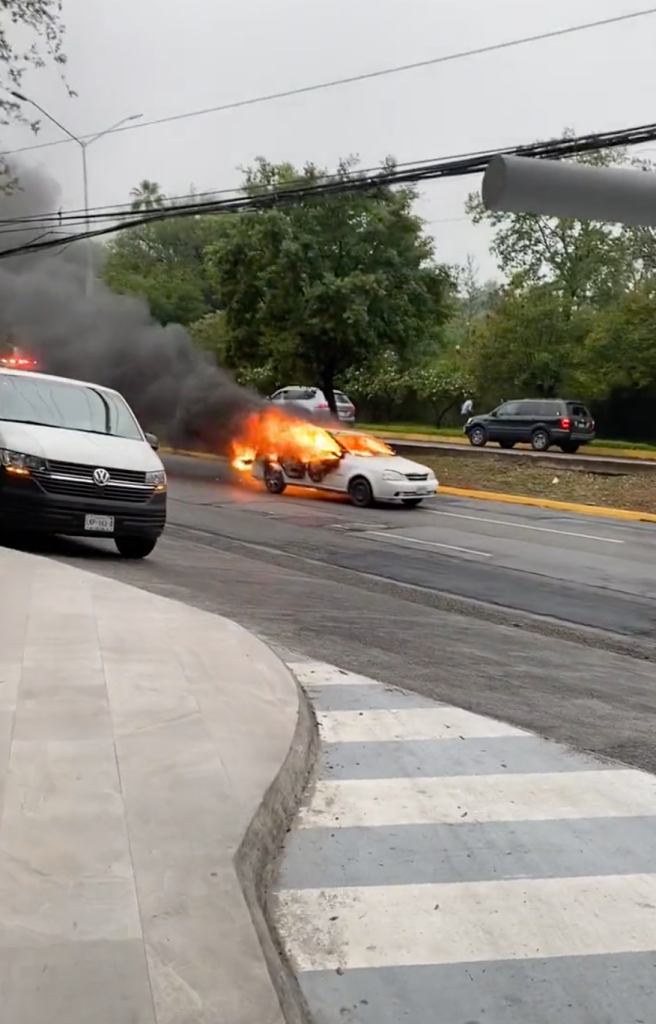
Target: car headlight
(156, 478)
(393, 474)
(431, 475)
(20, 463)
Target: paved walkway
(449, 861)
(137, 738)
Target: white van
(74, 461)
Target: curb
(557, 506)
(258, 857)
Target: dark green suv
(542, 423)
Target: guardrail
(558, 460)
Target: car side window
(509, 409)
(532, 409)
(580, 410)
(299, 394)
(278, 396)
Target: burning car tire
(360, 492)
(274, 481)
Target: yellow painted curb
(557, 506)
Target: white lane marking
(465, 922)
(424, 543)
(316, 673)
(392, 725)
(351, 803)
(523, 526)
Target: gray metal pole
(555, 188)
(88, 245)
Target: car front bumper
(398, 490)
(26, 507)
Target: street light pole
(84, 145)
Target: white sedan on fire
(356, 464)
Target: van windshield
(50, 403)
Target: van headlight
(392, 474)
(156, 478)
(19, 462)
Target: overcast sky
(161, 58)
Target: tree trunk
(328, 388)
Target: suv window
(510, 409)
(532, 408)
(579, 410)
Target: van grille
(126, 476)
(87, 489)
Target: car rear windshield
(576, 409)
(363, 444)
(50, 403)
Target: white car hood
(381, 463)
(77, 446)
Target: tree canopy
(330, 283)
(347, 291)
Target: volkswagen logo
(100, 477)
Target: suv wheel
(477, 437)
(540, 440)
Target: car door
(501, 426)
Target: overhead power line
(354, 79)
(384, 178)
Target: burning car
(282, 452)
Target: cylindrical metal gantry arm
(516, 184)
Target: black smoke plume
(102, 337)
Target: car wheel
(506, 444)
(360, 492)
(540, 440)
(135, 548)
(274, 481)
(411, 502)
(569, 448)
(477, 437)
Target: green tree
(620, 351)
(530, 345)
(325, 284)
(164, 262)
(147, 195)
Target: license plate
(99, 524)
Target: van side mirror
(153, 441)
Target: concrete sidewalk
(138, 740)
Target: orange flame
(274, 436)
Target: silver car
(314, 401)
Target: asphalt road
(511, 612)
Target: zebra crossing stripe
(441, 852)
